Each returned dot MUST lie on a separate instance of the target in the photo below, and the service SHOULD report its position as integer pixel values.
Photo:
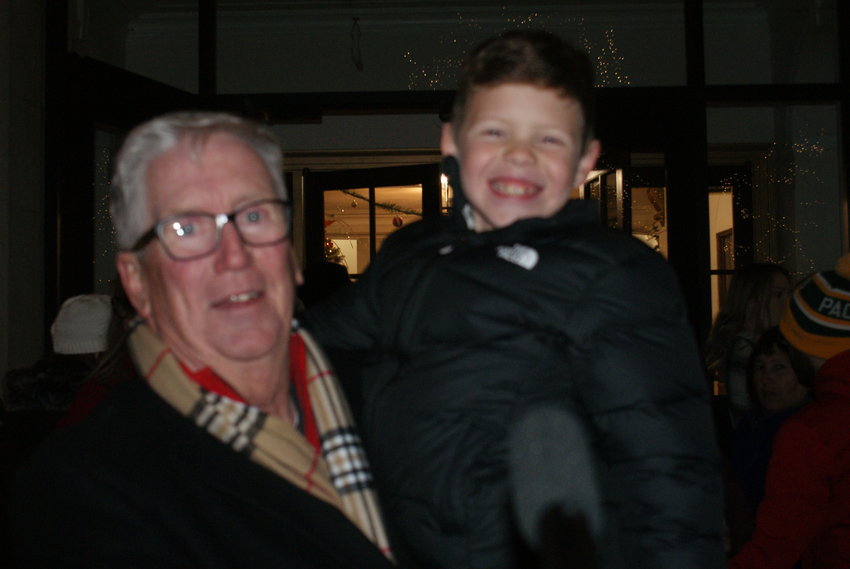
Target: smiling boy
(523, 298)
(522, 150)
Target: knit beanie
(82, 324)
(817, 320)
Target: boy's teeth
(512, 189)
(244, 297)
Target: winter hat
(817, 320)
(82, 324)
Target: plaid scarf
(337, 472)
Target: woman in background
(757, 297)
(781, 385)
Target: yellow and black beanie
(817, 321)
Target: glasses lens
(262, 223)
(188, 235)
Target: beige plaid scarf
(338, 474)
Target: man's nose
(232, 252)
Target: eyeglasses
(188, 236)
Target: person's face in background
(766, 306)
(775, 382)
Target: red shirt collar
(207, 379)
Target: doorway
(349, 213)
(731, 228)
(633, 200)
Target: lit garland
(386, 206)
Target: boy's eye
(492, 132)
(554, 140)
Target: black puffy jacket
(468, 329)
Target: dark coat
(469, 329)
(752, 446)
(138, 485)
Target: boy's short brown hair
(534, 57)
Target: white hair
(129, 193)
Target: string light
(440, 72)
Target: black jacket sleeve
(641, 382)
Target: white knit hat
(82, 324)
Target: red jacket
(806, 509)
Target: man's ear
(448, 147)
(130, 270)
(587, 162)
(297, 273)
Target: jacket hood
(833, 377)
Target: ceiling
(347, 5)
(159, 8)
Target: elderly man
(235, 447)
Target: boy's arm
(642, 383)
(353, 321)
(346, 322)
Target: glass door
(730, 217)
(349, 213)
(357, 221)
(632, 200)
